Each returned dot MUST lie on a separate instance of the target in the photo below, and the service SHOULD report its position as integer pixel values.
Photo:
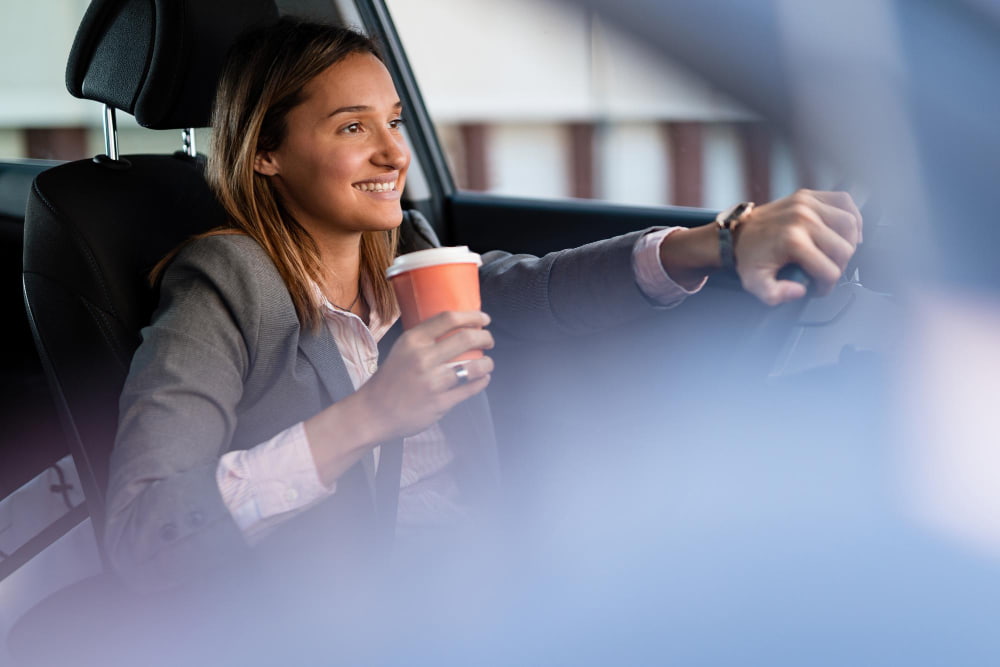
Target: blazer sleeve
(570, 292)
(165, 517)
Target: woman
(274, 402)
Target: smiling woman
(327, 124)
(341, 173)
(278, 429)
(254, 399)
(649, 506)
(277, 392)
(327, 157)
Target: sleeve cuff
(275, 477)
(655, 283)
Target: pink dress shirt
(277, 479)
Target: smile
(371, 186)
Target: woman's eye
(353, 128)
(396, 123)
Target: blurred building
(38, 117)
(541, 99)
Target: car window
(551, 101)
(39, 119)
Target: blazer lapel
(321, 351)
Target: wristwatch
(727, 222)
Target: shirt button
(291, 495)
(168, 532)
(372, 367)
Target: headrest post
(110, 132)
(187, 140)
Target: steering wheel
(765, 341)
(761, 347)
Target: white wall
(632, 164)
(35, 39)
(518, 66)
(784, 174)
(485, 60)
(635, 82)
(723, 174)
(481, 60)
(528, 160)
(11, 143)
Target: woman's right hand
(416, 385)
(414, 388)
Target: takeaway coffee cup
(428, 282)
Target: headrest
(159, 60)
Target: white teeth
(376, 187)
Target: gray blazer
(224, 365)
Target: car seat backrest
(94, 228)
(30, 440)
(15, 183)
(158, 61)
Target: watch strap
(726, 249)
(726, 223)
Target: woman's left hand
(817, 230)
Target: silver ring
(462, 373)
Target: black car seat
(94, 228)
(30, 440)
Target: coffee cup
(429, 282)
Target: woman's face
(342, 165)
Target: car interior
(28, 412)
(92, 229)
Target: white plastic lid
(433, 257)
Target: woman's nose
(392, 150)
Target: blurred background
(597, 113)
(846, 518)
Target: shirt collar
(376, 326)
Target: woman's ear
(264, 163)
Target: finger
(462, 372)
(845, 202)
(834, 246)
(435, 327)
(815, 208)
(842, 222)
(458, 342)
(771, 291)
(813, 261)
(461, 392)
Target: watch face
(730, 214)
(724, 215)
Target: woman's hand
(819, 231)
(415, 387)
(417, 384)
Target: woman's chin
(383, 223)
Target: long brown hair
(262, 80)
